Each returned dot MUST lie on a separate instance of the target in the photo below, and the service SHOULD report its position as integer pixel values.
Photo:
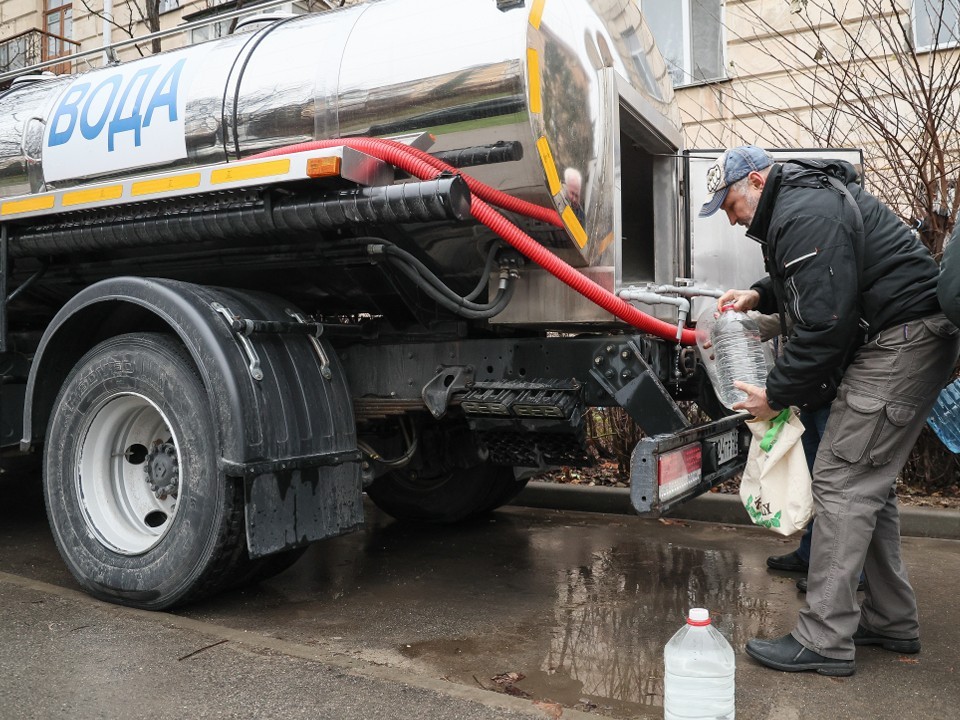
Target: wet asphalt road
(408, 622)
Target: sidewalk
(713, 507)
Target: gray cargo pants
(881, 406)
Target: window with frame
(689, 35)
(209, 32)
(14, 53)
(166, 6)
(936, 23)
(58, 22)
(219, 28)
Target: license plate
(726, 444)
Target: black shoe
(789, 655)
(802, 585)
(867, 637)
(791, 562)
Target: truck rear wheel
(264, 568)
(136, 503)
(445, 497)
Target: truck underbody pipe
(425, 166)
(681, 303)
(441, 198)
(433, 286)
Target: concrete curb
(712, 507)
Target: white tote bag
(775, 487)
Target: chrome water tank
(471, 72)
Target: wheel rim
(127, 474)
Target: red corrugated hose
(426, 167)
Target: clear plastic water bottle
(705, 324)
(945, 416)
(739, 355)
(699, 670)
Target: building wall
(19, 15)
(772, 95)
(776, 96)
(759, 78)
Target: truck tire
(509, 492)
(256, 571)
(136, 503)
(447, 497)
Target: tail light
(679, 471)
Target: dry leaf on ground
(508, 678)
(554, 710)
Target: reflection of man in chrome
(573, 185)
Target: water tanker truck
(404, 248)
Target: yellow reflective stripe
(605, 243)
(41, 202)
(574, 226)
(536, 13)
(250, 172)
(81, 197)
(166, 184)
(546, 157)
(533, 67)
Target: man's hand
(742, 300)
(756, 402)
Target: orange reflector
(323, 167)
(679, 471)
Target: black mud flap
(669, 469)
(291, 508)
(302, 478)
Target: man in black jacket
(948, 287)
(869, 337)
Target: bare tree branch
(850, 74)
(136, 12)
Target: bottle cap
(729, 306)
(698, 617)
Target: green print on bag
(755, 508)
(775, 486)
(776, 425)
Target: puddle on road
(581, 608)
(603, 645)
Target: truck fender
(286, 426)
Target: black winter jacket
(948, 287)
(807, 230)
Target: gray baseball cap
(735, 164)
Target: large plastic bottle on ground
(739, 355)
(699, 669)
(945, 416)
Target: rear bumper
(654, 485)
